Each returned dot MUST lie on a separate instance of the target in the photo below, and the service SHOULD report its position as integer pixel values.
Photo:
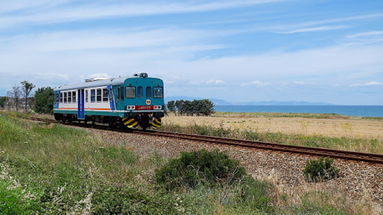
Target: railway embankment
(61, 169)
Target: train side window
(158, 92)
(61, 97)
(139, 92)
(98, 95)
(130, 92)
(74, 96)
(122, 92)
(148, 92)
(92, 95)
(65, 97)
(119, 93)
(86, 95)
(104, 95)
(69, 97)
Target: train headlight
(157, 107)
(130, 107)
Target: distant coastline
(349, 110)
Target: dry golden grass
(334, 127)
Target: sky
(328, 51)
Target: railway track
(323, 152)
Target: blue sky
(245, 50)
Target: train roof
(98, 83)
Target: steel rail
(316, 151)
(324, 152)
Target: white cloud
(330, 63)
(103, 39)
(364, 38)
(99, 75)
(367, 84)
(27, 5)
(100, 9)
(366, 34)
(342, 19)
(314, 29)
(254, 83)
(215, 82)
(299, 83)
(319, 25)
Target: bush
(320, 170)
(199, 168)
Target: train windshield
(130, 92)
(158, 92)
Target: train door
(120, 92)
(81, 105)
(56, 100)
(111, 98)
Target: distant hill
(283, 103)
(224, 102)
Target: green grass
(53, 169)
(64, 164)
(353, 144)
(14, 200)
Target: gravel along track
(360, 181)
(359, 156)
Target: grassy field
(317, 130)
(53, 169)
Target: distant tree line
(20, 97)
(203, 107)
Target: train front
(143, 101)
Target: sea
(350, 110)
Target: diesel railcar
(126, 101)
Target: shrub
(199, 168)
(320, 170)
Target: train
(129, 102)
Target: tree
(14, 96)
(203, 107)
(3, 100)
(207, 107)
(179, 104)
(171, 106)
(27, 89)
(44, 98)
